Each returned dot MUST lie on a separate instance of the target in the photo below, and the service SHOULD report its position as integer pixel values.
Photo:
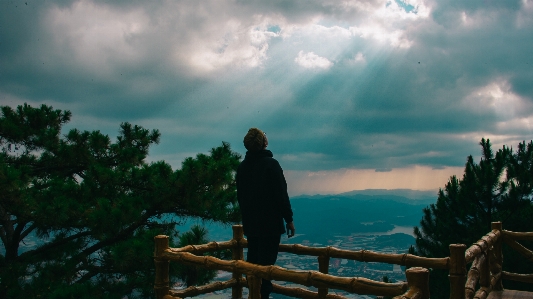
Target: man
(264, 203)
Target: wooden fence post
(418, 277)
(161, 285)
(254, 286)
(457, 274)
(323, 267)
(496, 258)
(237, 254)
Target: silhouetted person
(264, 203)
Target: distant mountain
(321, 217)
(400, 195)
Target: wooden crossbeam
(405, 259)
(528, 278)
(518, 235)
(301, 293)
(482, 245)
(528, 254)
(308, 278)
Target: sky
(353, 94)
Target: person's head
(255, 140)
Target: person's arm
(285, 204)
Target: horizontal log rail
(405, 259)
(192, 255)
(484, 244)
(485, 256)
(308, 278)
(211, 246)
(193, 291)
(528, 278)
(518, 235)
(510, 238)
(301, 293)
(528, 254)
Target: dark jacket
(262, 194)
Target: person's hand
(290, 229)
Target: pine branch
(25, 233)
(52, 245)
(18, 230)
(120, 236)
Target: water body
(408, 230)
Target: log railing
(485, 257)
(417, 285)
(511, 238)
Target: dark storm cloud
(420, 96)
(53, 51)
(35, 66)
(336, 84)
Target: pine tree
(195, 275)
(496, 189)
(386, 279)
(96, 204)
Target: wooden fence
(487, 259)
(484, 255)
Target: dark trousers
(263, 250)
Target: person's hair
(254, 140)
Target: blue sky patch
(406, 6)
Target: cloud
(524, 17)
(395, 38)
(359, 57)
(239, 47)
(99, 37)
(498, 99)
(356, 84)
(312, 61)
